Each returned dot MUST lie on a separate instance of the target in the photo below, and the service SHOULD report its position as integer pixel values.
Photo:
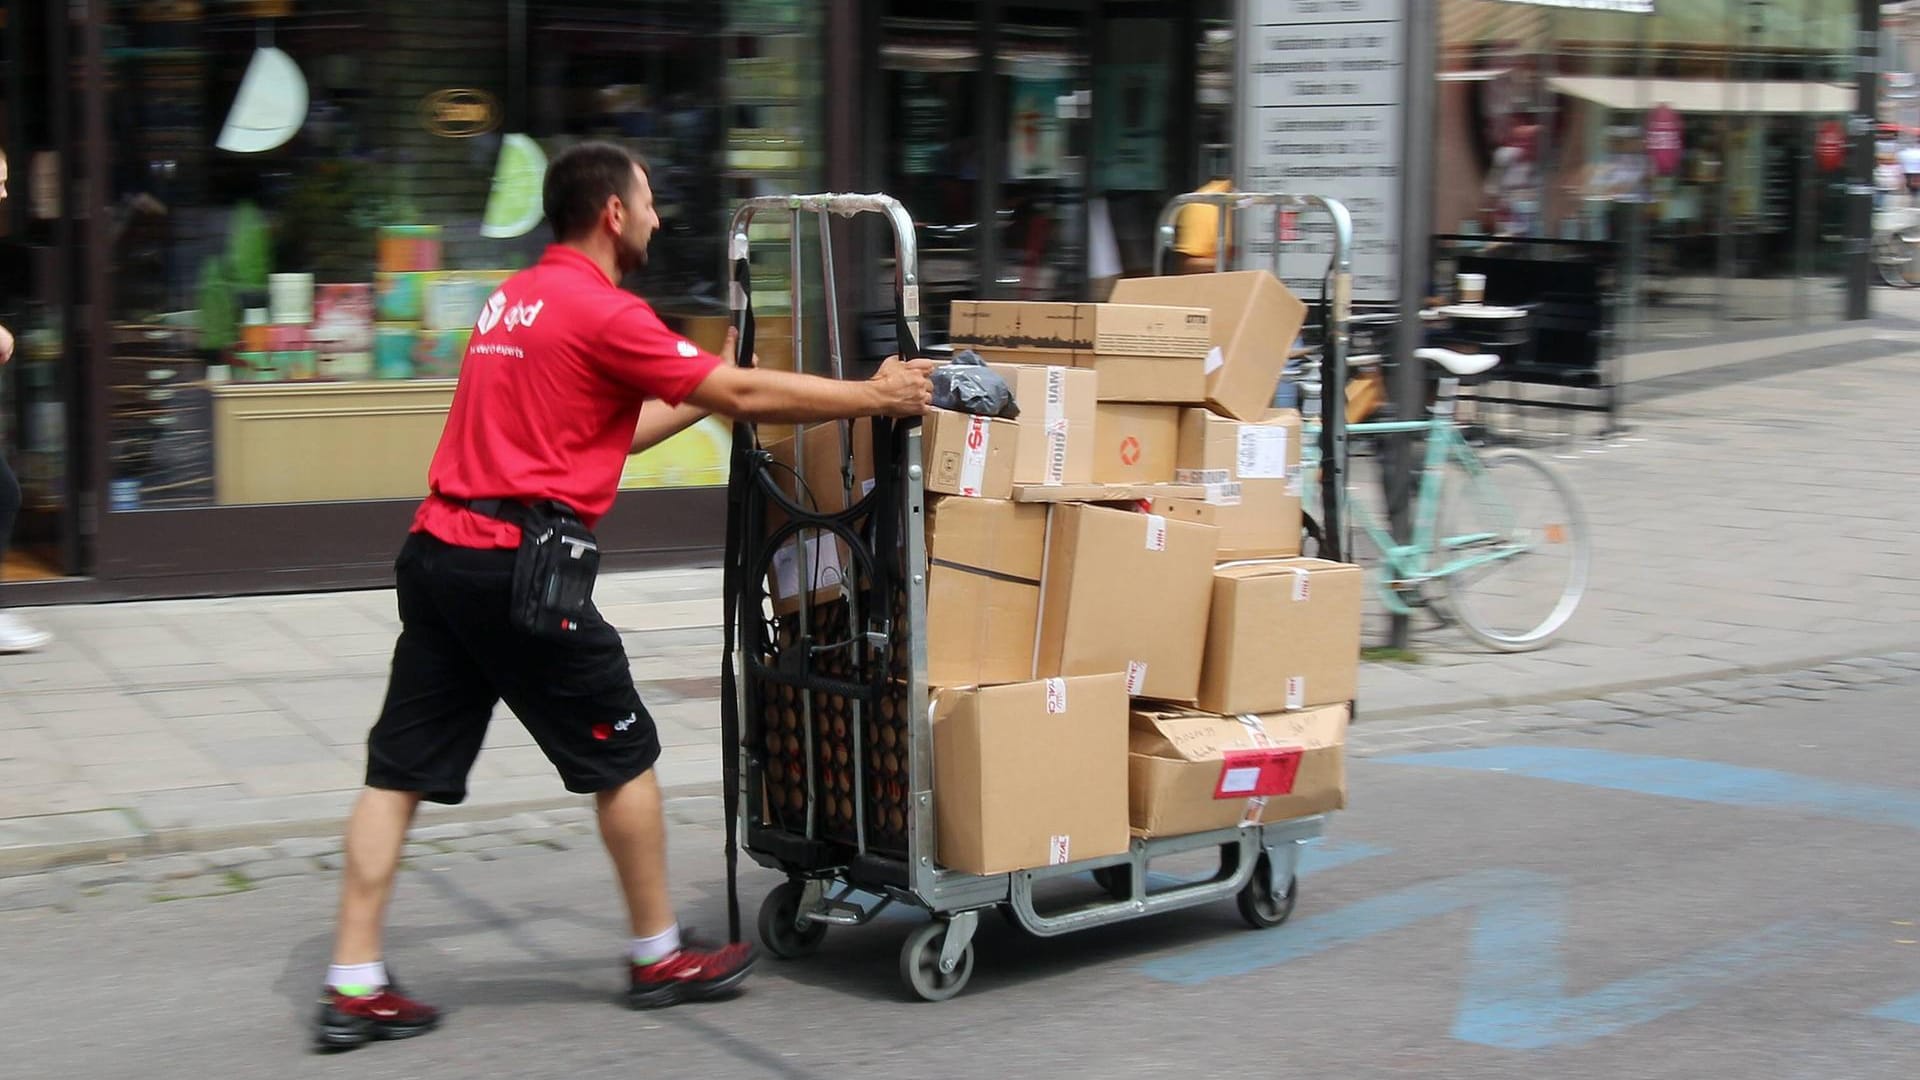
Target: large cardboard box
(1282, 635)
(1135, 444)
(1056, 423)
(821, 486)
(1127, 592)
(1030, 775)
(983, 589)
(1190, 772)
(1255, 323)
(1252, 474)
(969, 455)
(1146, 353)
(1142, 352)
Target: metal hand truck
(828, 742)
(1335, 316)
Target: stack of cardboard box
(1104, 665)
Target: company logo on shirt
(515, 317)
(688, 350)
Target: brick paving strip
(122, 882)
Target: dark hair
(580, 179)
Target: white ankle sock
(652, 950)
(357, 978)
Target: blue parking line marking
(1515, 992)
(1906, 1010)
(1686, 778)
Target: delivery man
(1196, 236)
(565, 376)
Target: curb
(139, 841)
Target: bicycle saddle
(1458, 363)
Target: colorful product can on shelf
(346, 367)
(400, 297)
(290, 298)
(299, 364)
(343, 317)
(255, 338)
(453, 300)
(440, 352)
(409, 248)
(393, 351)
(254, 367)
(283, 338)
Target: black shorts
(459, 655)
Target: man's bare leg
(633, 826)
(375, 834)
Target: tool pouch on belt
(554, 570)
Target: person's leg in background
(15, 635)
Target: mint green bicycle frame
(1430, 557)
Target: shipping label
(1136, 678)
(1215, 360)
(1203, 476)
(1227, 494)
(1056, 696)
(973, 463)
(1296, 691)
(1056, 450)
(1156, 533)
(1060, 851)
(823, 566)
(1302, 584)
(1056, 395)
(1263, 452)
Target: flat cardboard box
(983, 590)
(1146, 353)
(1125, 591)
(1093, 329)
(1191, 771)
(1283, 634)
(969, 455)
(1030, 775)
(1100, 493)
(1056, 423)
(1255, 322)
(1135, 444)
(1257, 519)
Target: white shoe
(18, 637)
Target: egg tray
(778, 718)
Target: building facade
(247, 237)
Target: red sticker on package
(973, 465)
(1056, 696)
(1059, 851)
(1156, 533)
(1136, 678)
(1263, 772)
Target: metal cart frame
(837, 883)
(1336, 315)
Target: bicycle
(1480, 531)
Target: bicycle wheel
(1522, 512)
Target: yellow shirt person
(1196, 236)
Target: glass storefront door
(37, 238)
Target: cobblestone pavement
(121, 882)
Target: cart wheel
(1258, 905)
(920, 964)
(1116, 880)
(777, 930)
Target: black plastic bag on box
(966, 384)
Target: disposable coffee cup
(1470, 288)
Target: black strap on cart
(870, 530)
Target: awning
(1709, 95)
(1627, 7)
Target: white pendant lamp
(270, 107)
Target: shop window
(312, 202)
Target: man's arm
(762, 395)
(660, 421)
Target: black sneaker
(697, 972)
(346, 1022)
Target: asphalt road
(1726, 895)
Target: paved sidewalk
(1745, 525)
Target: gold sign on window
(459, 113)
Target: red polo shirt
(549, 394)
